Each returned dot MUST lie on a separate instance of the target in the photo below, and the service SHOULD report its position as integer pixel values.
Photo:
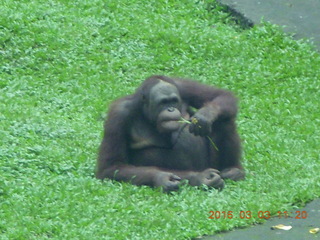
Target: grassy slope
(62, 63)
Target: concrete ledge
(300, 18)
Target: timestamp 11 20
(298, 214)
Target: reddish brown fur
(151, 165)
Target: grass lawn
(63, 62)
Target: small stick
(183, 120)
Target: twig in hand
(194, 120)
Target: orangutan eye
(169, 101)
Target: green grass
(63, 62)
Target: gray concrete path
(300, 17)
(301, 222)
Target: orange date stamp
(259, 214)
